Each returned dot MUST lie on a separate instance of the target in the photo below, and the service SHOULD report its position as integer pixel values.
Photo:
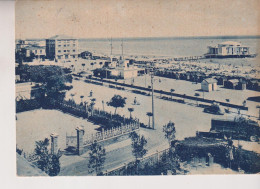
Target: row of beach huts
(230, 82)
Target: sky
(136, 18)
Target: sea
(171, 47)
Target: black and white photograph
(137, 88)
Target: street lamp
(152, 76)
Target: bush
(200, 147)
(47, 162)
(27, 105)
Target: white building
(228, 49)
(62, 48)
(209, 84)
(124, 70)
(37, 51)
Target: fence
(83, 110)
(110, 133)
(81, 142)
(150, 160)
(72, 108)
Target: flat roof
(34, 47)
(61, 37)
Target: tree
(92, 64)
(169, 131)
(197, 94)
(172, 161)
(83, 65)
(91, 105)
(130, 110)
(172, 90)
(149, 87)
(138, 144)
(116, 82)
(47, 162)
(81, 97)
(97, 157)
(229, 151)
(53, 81)
(72, 96)
(149, 114)
(227, 100)
(72, 66)
(117, 101)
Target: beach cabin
(253, 84)
(209, 84)
(231, 84)
(241, 85)
(222, 80)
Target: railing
(151, 160)
(110, 133)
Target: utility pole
(152, 76)
(122, 45)
(111, 46)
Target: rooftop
(227, 43)
(231, 43)
(34, 47)
(210, 80)
(233, 80)
(61, 37)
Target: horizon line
(159, 37)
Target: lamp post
(152, 76)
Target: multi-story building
(62, 48)
(35, 51)
(20, 44)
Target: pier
(189, 58)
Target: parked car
(248, 130)
(230, 128)
(214, 109)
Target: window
(64, 45)
(59, 45)
(40, 51)
(68, 50)
(59, 51)
(64, 50)
(74, 50)
(74, 45)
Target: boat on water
(229, 49)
